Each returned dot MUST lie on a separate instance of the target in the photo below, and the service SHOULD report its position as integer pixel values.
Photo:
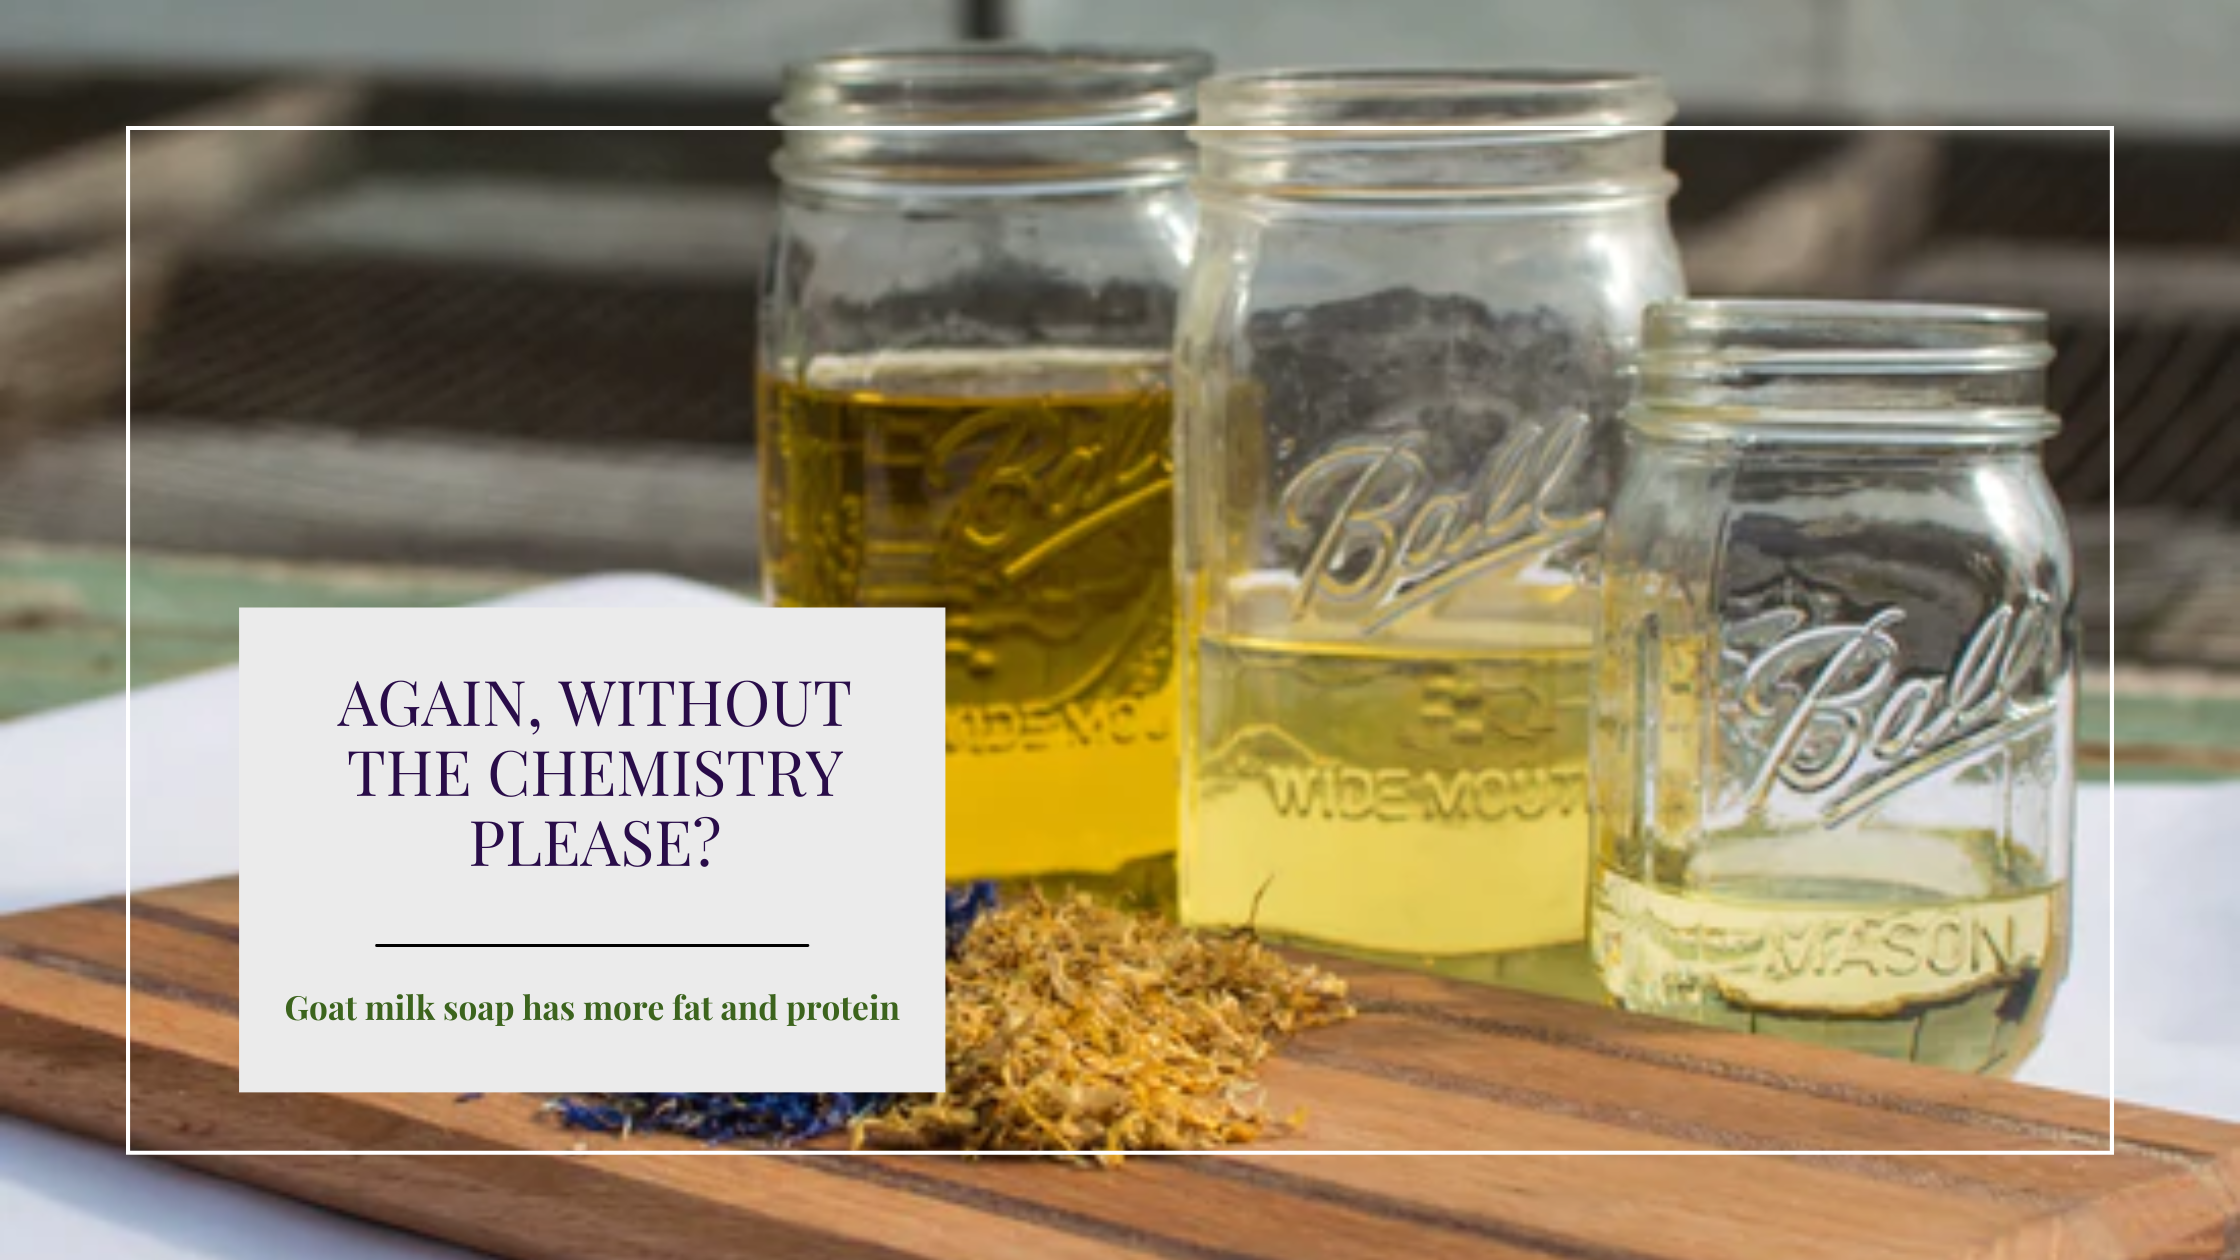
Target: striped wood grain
(1430, 1065)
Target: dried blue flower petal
(965, 906)
(718, 1118)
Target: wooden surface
(1430, 1065)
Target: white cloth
(67, 1196)
(2178, 1046)
(62, 839)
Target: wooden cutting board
(1429, 1066)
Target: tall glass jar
(965, 402)
(1402, 359)
(1833, 756)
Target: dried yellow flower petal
(1077, 1028)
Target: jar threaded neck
(1433, 134)
(1841, 371)
(1023, 114)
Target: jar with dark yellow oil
(964, 402)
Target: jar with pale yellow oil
(965, 402)
(1402, 361)
(1834, 745)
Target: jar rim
(1831, 335)
(993, 83)
(1821, 370)
(1800, 331)
(1362, 100)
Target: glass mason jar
(1833, 765)
(1402, 360)
(965, 402)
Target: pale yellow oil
(1898, 934)
(1958, 977)
(1028, 493)
(1420, 803)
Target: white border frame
(2064, 1153)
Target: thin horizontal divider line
(591, 945)
(2107, 128)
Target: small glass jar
(1401, 364)
(965, 402)
(1833, 760)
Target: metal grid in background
(371, 344)
(372, 341)
(367, 342)
(380, 344)
(2176, 391)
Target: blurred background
(423, 367)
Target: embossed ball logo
(1386, 538)
(1826, 710)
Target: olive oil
(1421, 802)
(1028, 493)
(1956, 971)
